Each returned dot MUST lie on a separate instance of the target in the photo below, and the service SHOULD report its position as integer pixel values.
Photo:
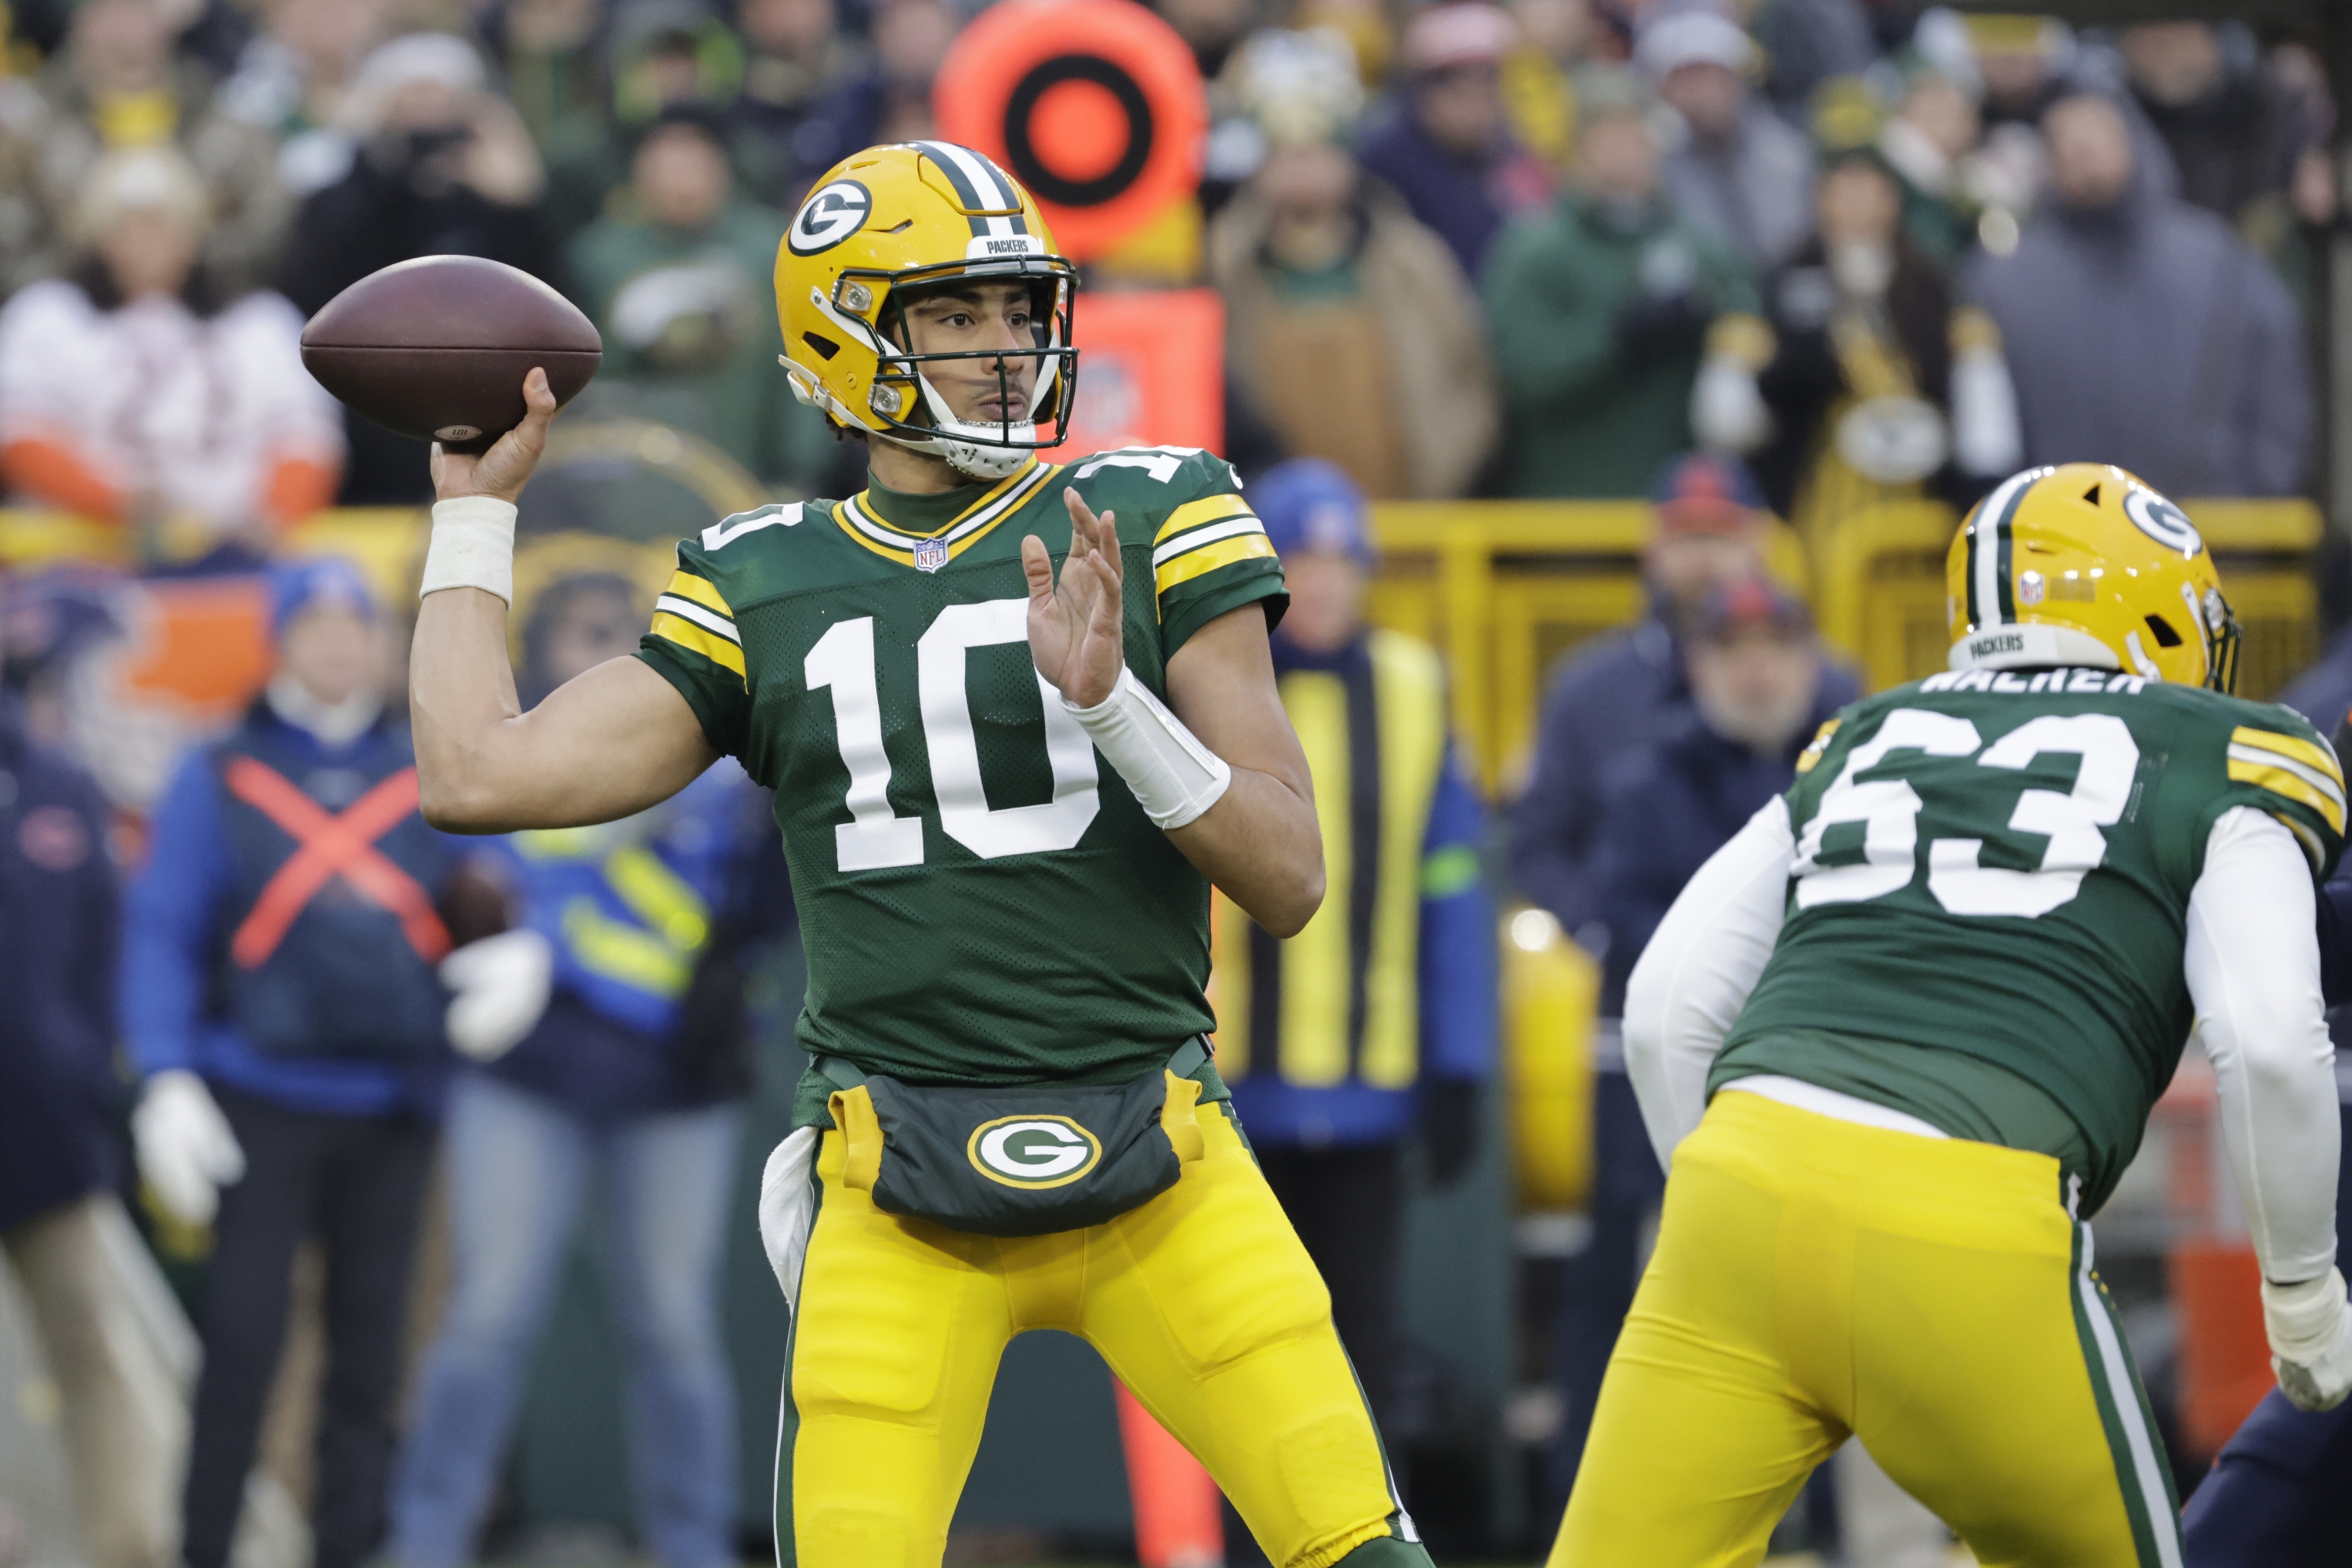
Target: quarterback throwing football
(1005, 776)
(1899, 1039)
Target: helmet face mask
(884, 230)
(2085, 565)
(909, 398)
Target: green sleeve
(1209, 552)
(2274, 761)
(694, 646)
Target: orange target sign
(1095, 105)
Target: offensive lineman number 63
(1889, 810)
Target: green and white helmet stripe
(1995, 640)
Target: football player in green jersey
(1006, 775)
(1899, 1039)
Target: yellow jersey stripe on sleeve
(1210, 557)
(2297, 783)
(702, 590)
(2312, 848)
(1193, 513)
(2293, 747)
(695, 639)
(1812, 754)
(1186, 543)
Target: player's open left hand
(1076, 628)
(505, 468)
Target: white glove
(502, 983)
(1987, 436)
(1727, 412)
(2310, 1329)
(187, 1152)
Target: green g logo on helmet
(1035, 1152)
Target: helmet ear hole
(2161, 629)
(825, 347)
(2091, 495)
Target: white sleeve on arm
(2253, 967)
(1695, 976)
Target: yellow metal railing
(1506, 587)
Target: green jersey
(1988, 909)
(982, 900)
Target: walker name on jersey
(2008, 682)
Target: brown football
(437, 348)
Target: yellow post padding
(1550, 988)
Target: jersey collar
(932, 529)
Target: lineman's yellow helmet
(897, 218)
(2084, 564)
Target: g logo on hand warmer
(1035, 1152)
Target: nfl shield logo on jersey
(930, 554)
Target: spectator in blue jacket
(278, 995)
(607, 1037)
(1623, 692)
(1760, 690)
(1376, 1024)
(59, 1099)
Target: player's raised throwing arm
(1223, 774)
(610, 744)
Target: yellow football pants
(1815, 1279)
(1202, 1300)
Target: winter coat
(2149, 335)
(1578, 419)
(1441, 392)
(1752, 193)
(1466, 200)
(690, 335)
(58, 901)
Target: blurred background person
(2232, 132)
(1805, 43)
(1375, 1025)
(1597, 311)
(1445, 145)
(609, 1053)
(117, 84)
(802, 73)
(1880, 386)
(2142, 327)
(547, 50)
(290, 78)
(1927, 141)
(658, 55)
(442, 167)
(1347, 324)
(278, 998)
(135, 391)
(677, 277)
(1759, 691)
(60, 1104)
(1741, 174)
(1539, 75)
(1623, 692)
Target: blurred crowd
(1465, 248)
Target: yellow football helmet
(895, 219)
(2085, 565)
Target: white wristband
(472, 547)
(1174, 777)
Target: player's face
(980, 319)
